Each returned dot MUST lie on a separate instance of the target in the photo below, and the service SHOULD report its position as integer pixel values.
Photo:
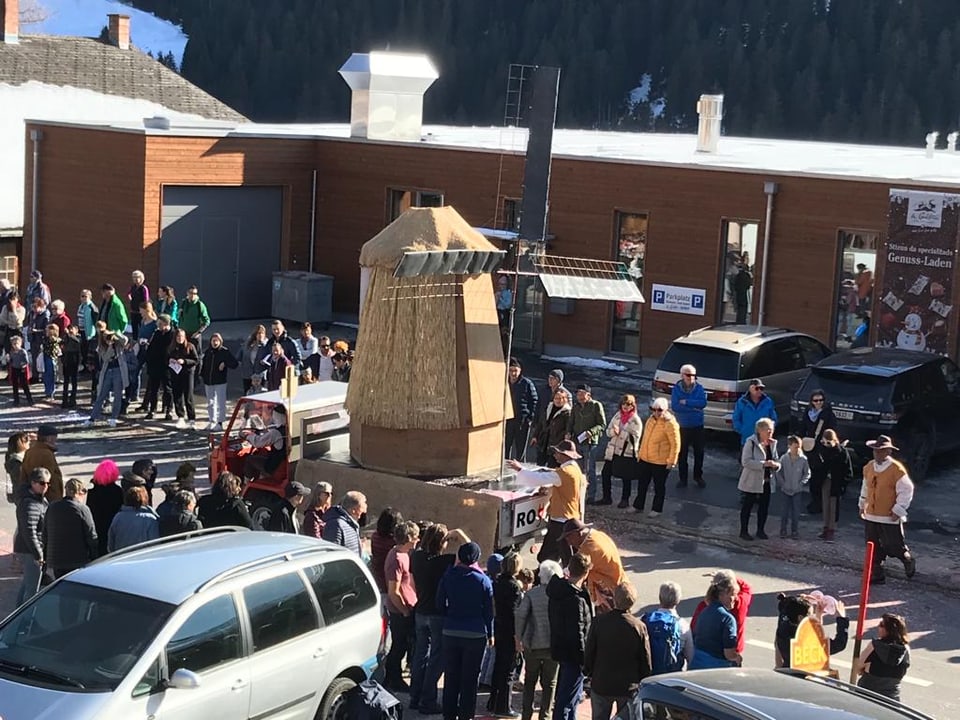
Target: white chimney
(952, 141)
(118, 30)
(710, 110)
(10, 17)
(388, 91)
(931, 143)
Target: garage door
(226, 241)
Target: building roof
(90, 64)
(771, 157)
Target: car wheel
(919, 453)
(334, 703)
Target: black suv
(911, 396)
(742, 694)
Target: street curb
(937, 577)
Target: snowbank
(594, 363)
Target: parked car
(913, 397)
(224, 623)
(727, 357)
(747, 694)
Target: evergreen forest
(882, 71)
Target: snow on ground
(38, 101)
(86, 18)
(586, 362)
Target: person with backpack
(617, 655)
(671, 642)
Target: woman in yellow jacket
(659, 448)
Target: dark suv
(911, 396)
(742, 694)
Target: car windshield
(79, 637)
(847, 388)
(710, 362)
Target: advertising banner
(915, 304)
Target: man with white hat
(885, 496)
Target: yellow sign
(289, 384)
(810, 649)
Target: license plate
(843, 414)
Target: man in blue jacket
(687, 401)
(523, 394)
(752, 405)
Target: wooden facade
(101, 198)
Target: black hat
(574, 526)
(583, 387)
(295, 488)
(515, 363)
(47, 430)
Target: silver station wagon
(221, 623)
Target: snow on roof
(52, 102)
(85, 18)
(872, 163)
(753, 155)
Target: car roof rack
(715, 696)
(179, 537)
(276, 558)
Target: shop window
(630, 249)
(400, 200)
(510, 215)
(739, 272)
(857, 264)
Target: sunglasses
(817, 400)
(37, 482)
(689, 375)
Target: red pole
(862, 613)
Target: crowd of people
(154, 345)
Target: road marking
(842, 663)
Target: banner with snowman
(914, 306)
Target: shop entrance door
(739, 274)
(856, 266)
(630, 249)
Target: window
(510, 216)
(777, 356)
(660, 711)
(630, 249)
(813, 352)
(342, 590)
(280, 609)
(210, 636)
(402, 200)
(739, 272)
(88, 635)
(150, 682)
(710, 362)
(858, 262)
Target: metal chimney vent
(710, 110)
(388, 91)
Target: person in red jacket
(740, 608)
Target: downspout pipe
(313, 220)
(36, 136)
(770, 189)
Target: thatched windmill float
(426, 394)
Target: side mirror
(183, 679)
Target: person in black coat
(158, 377)
(69, 533)
(104, 499)
(223, 506)
(279, 336)
(523, 394)
(284, 518)
(506, 601)
(817, 418)
(570, 612)
(28, 540)
(834, 471)
(184, 519)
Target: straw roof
(418, 230)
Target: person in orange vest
(565, 485)
(607, 571)
(885, 497)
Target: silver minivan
(221, 624)
(727, 357)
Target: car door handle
(319, 653)
(238, 685)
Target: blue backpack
(666, 641)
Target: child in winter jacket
(791, 478)
(70, 362)
(19, 365)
